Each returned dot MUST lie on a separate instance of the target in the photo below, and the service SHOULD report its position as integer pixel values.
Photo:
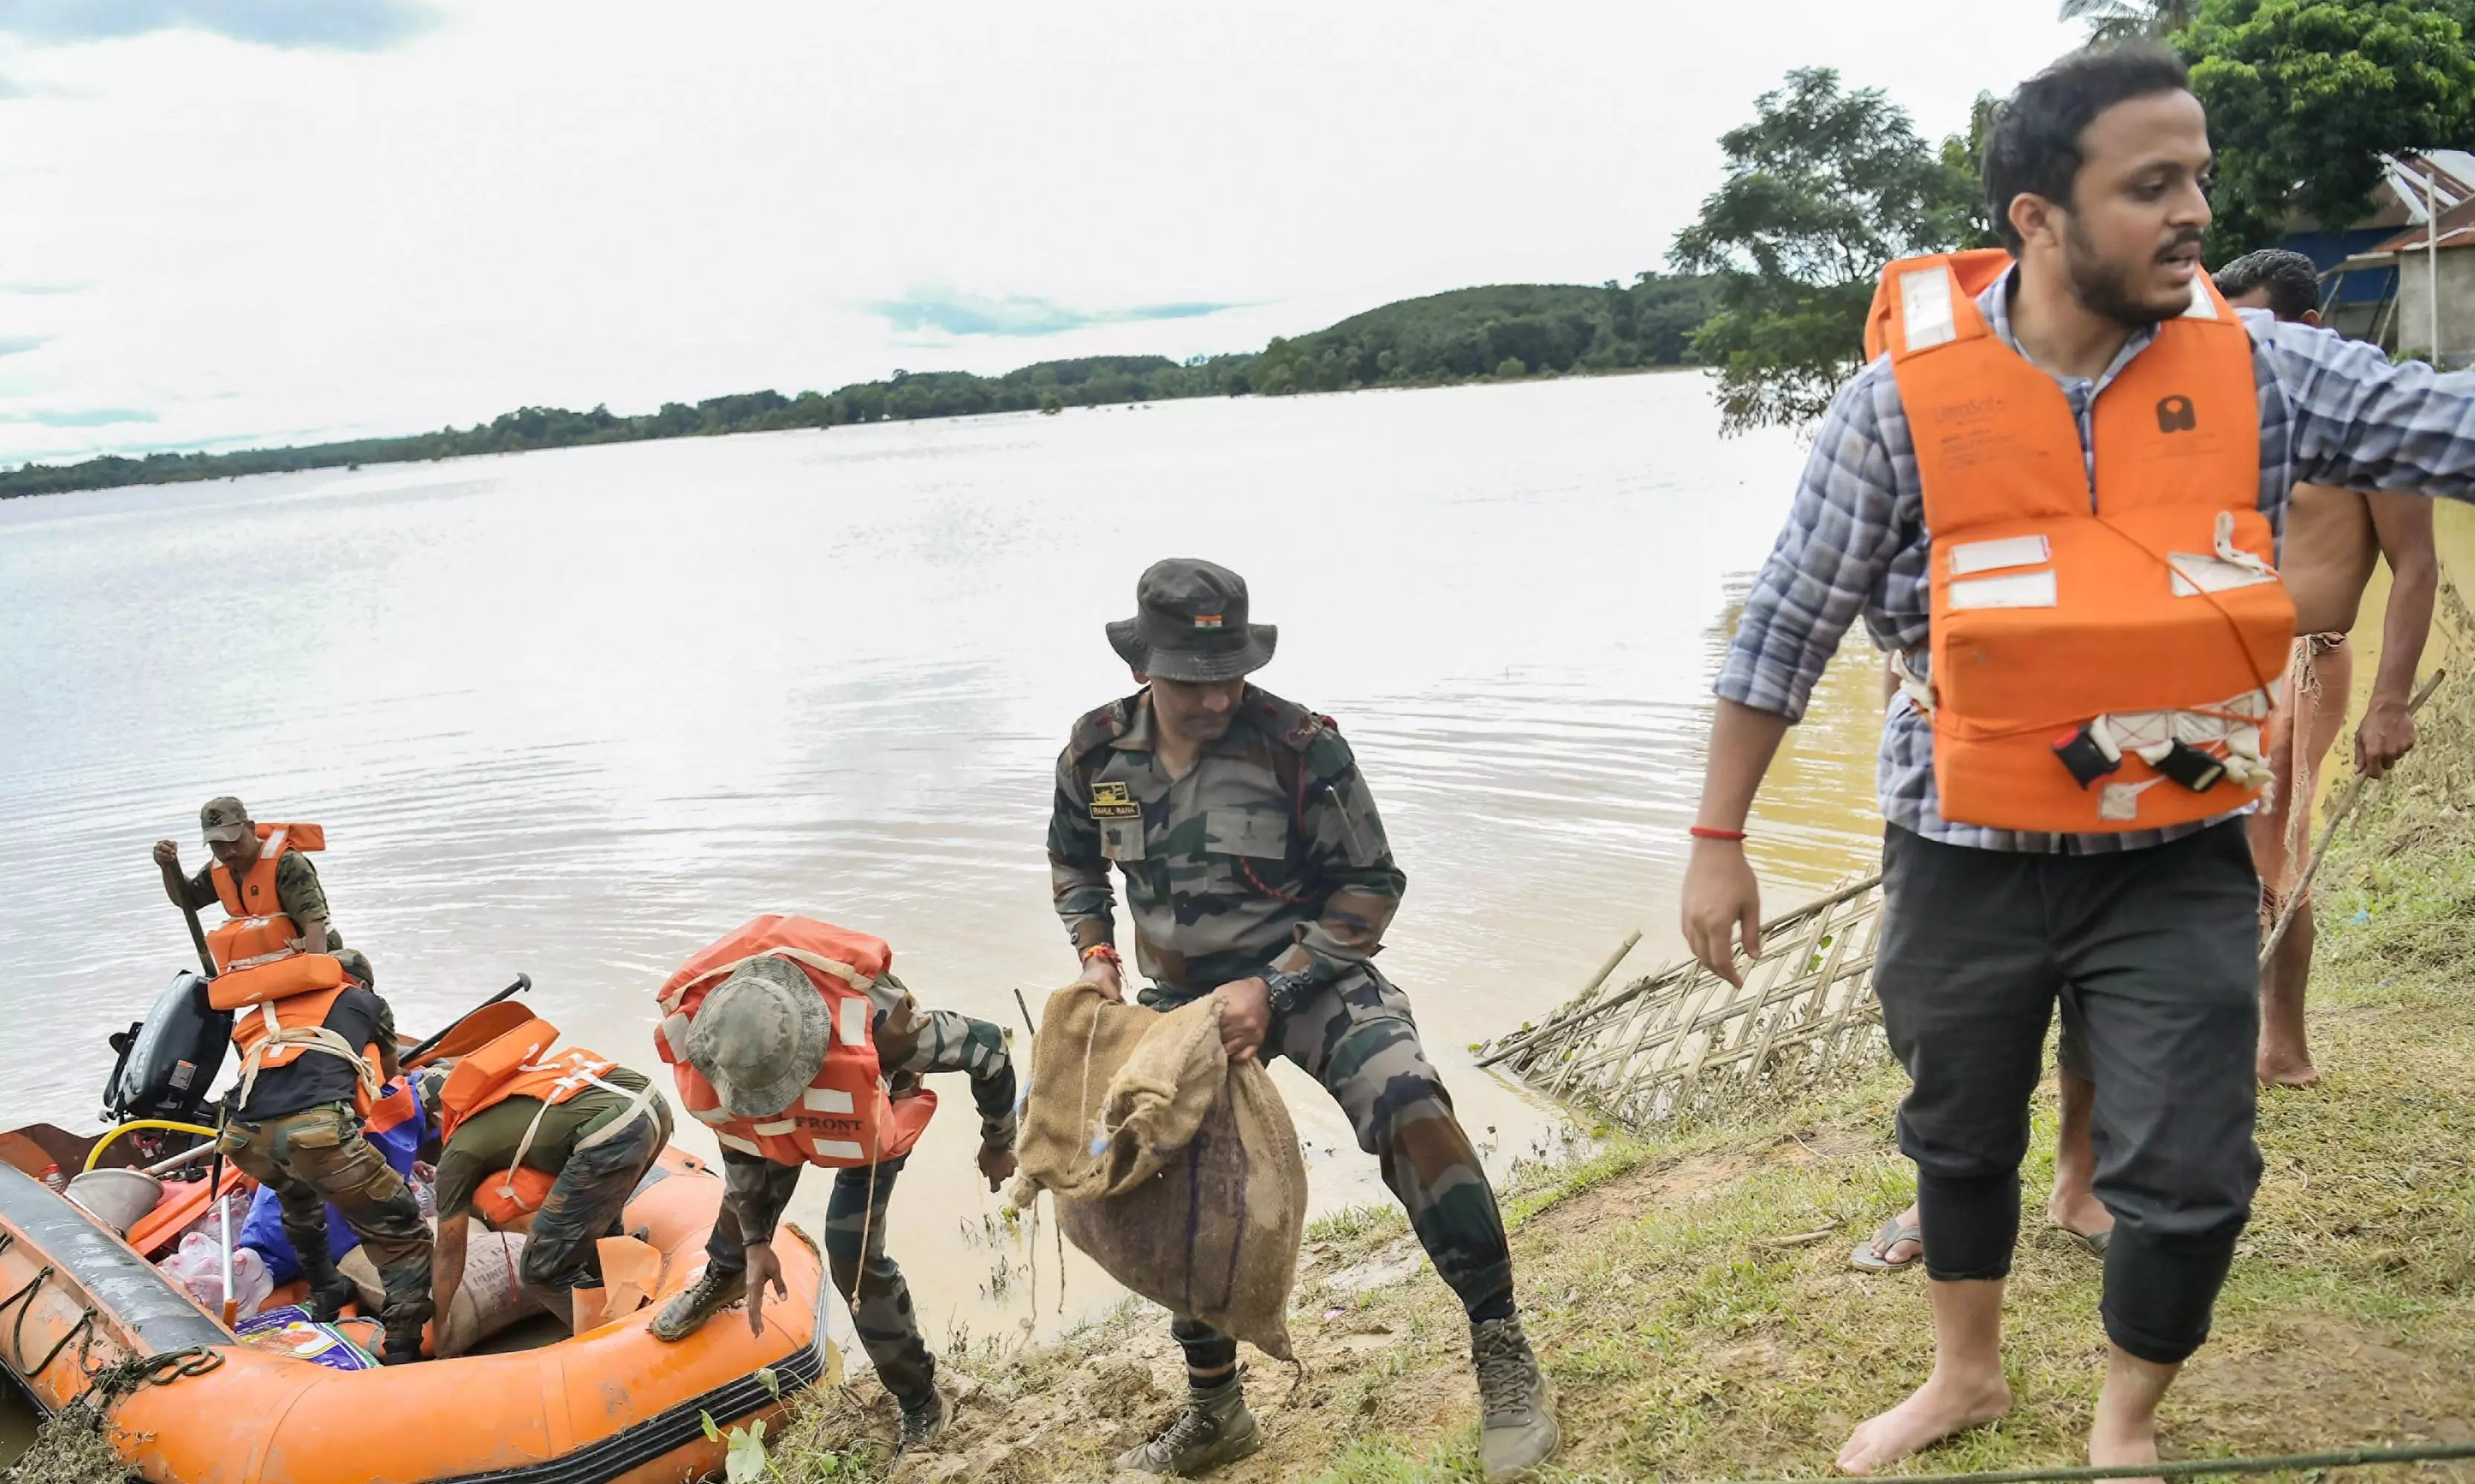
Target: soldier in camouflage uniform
(740, 1040)
(234, 844)
(299, 1135)
(1256, 870)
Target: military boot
(1214, 1428)
(403, 1346)
(698, 1303)
(924, 1424)
(329, 1290)
(1517, 1428)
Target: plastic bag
(289, 1331)
(198, 1266)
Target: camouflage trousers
(1357, 1038)
(589, 1201)
(870, 1284)
(319, 1156)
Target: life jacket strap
(638, 1105)
(317, 1038)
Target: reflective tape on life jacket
(2127, 616)
(843, 1117)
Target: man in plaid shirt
(2097, 173)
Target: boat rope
(25, 1296)
(2190, 1468)
(108, 1384)
(84, 1326)
(23, 1301)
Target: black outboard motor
(169, 1060)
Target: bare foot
(1936, 1410)
(2282, 1068)
(2115, 1441)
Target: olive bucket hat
(1189, 624)
(760, 1038)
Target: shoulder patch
(1293, 724)
(1096, 729)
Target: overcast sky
(231, 221)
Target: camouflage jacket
(1268, 857)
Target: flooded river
(578, 713)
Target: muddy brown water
(578, 713)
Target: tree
(1823, 188)
(2130, 20)
(1966, 154)
(2304, 96)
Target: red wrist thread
(1705, 832)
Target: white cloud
(628, 203)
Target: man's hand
(998, 1165)
(168, 855)
(1245, 1016)
(763, 1268)
(2387, 735)
(1104, 975)
(1721, 899)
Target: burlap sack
(1176, 1171)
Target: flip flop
(1891, 1235)
(2093, 1243)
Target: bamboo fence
(1682, 1041)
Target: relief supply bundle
(1174, 1170)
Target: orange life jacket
(281, 1010)
(843, 1117)
(2100, 662)
(518, 1065)
(255, 929)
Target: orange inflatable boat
(85, 1315)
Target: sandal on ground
(1866, 1256)
(2093, 1243)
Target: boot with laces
(924, 1424)
(1517, 1428)
(1214, 1428)
(698, 1303)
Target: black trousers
(2159, 947)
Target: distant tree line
(1498, 332)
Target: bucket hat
(1189, 624)
(760, 1038)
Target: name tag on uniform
(1111, 801)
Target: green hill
(1496, 332)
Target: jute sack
(1176, 1171)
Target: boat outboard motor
(168, 1061)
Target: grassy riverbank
(1696, 1328)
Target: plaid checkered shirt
(2333, 411)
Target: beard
(2105, 288)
